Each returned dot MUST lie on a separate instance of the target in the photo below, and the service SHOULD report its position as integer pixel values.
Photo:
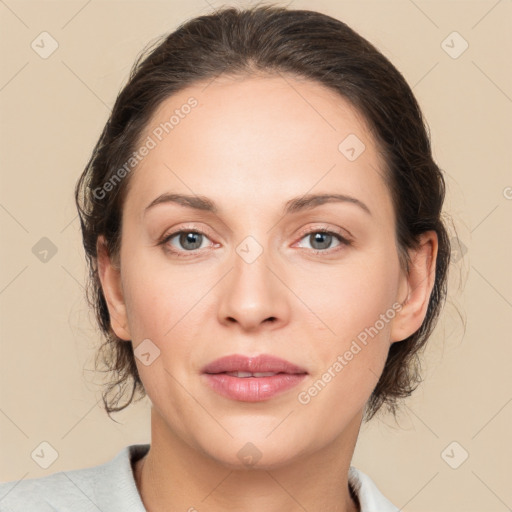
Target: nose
(254, 296)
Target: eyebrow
(294, 205)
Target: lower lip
(252, 389)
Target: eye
(187, 241)
(322, 239)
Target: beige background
(52, 113)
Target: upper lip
(254, 364)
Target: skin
(250, 145)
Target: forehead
(262, 136)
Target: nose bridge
(253, 294)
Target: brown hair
(299, 43)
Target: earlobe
(419, 283)
(110, 277)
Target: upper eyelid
(324, 229)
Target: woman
(292, 156)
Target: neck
(175, 476)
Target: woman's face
(261, 279)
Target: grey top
(111, 487)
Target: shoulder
(369, 495)
(109, 486)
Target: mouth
(257, 366)
(252, 379)
(258, 375)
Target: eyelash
(183, 254)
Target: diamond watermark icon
(146, 352)
(249, 249)
(249, 454)
(458, 251)
(44, 250)
(351, 147)
(44, 455)
(454, 45)
(454, 455)
(44, 45)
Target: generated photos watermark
(151, 141)
(305, 397)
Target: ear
(110, 277)
(416, 287)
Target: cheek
(158, 295)
(345, 299)
(350, 324)
(348, 365)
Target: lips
(252, 365)
(250, 374)
(252, 379)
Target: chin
(258, 454)
(253, 460)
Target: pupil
(318, 238)
(193, 238)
